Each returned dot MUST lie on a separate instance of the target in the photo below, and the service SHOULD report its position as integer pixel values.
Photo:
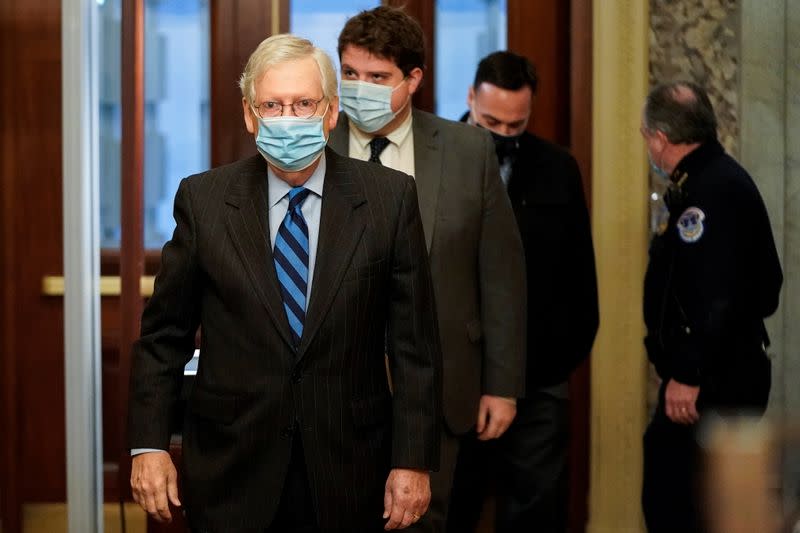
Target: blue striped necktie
(291, 262)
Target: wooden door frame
(237, 26)
(424, 11)
(564, 29)
(580, 134)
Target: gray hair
(279, 49)
(683, 111)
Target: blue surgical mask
(658, 171)
(291, 143)
(368, 105)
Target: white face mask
(368, 105)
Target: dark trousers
(295, 510)
(441, 484)
(527, 467)
(671, 485)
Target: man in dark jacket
(301, 267)
(544, 185)
(713, 277)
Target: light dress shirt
(398, 154)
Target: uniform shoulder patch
(690, 224)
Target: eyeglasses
(302, 108)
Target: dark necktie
(376, 146)
(291, 262)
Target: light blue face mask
(291, 143)
(658, 171)
(368, 105)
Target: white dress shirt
(398, 154)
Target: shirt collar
(396, 136)
(278, 188)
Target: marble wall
(770, 149)
(791, 199)
(697, 40)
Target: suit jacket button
(287, 431)
(297, 376)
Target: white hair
(279, 49)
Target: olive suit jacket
(477, 262)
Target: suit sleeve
(413, 345)
(502, 286)
(169, 324)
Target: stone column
(763, 139)
(791, 206)
(619, 200)
(770, 150)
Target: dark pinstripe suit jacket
(477, 262)
(253, 392)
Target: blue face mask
(291, 143)
(368, 105)
(658, 171)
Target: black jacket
(546, 194)
(713, 277)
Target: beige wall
(619, 217)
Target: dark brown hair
(386, 32)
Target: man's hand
(495, 414)
(681, 402)
(406, 499)
(154, 481)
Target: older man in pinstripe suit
(299, 265)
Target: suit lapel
(340, 230)
(428, 159)
(248, 226)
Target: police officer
(713, 277)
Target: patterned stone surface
(697, 40)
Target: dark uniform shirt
(713, 277)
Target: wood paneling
(131, 214)
(581, 89)
(425, 13)
(237, 27)
(32, 337)
(10, 510)
(540, 31)
(580, 120)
